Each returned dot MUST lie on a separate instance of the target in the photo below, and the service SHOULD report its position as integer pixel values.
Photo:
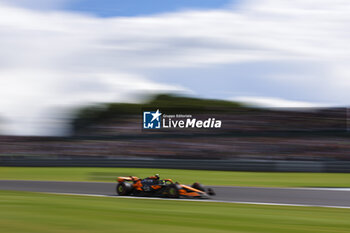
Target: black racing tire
(173, 191)
(198, 186)
(124, 189)
(211, 192)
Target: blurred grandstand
(115, 130)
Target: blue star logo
(151, 120)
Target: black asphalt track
(294, 196)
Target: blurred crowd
(246, 133)
(225, 147)
(241, 120)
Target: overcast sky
(58, 54)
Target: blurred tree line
(171, 104)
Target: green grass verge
(263, 179)
(36, 213)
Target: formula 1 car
(155, 187)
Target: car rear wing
(127, 178)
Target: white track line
(329, 189)
(200, 200)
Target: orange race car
(154, 186)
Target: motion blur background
(75, 75)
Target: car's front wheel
(198, 186)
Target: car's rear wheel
(173, 191)
(124, 189)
